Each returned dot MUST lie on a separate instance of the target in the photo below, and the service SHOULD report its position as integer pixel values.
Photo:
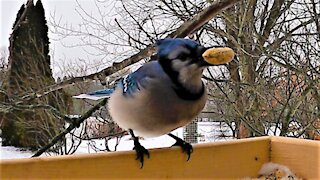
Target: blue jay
(163, 95)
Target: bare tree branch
(186, 28)
(72, 126)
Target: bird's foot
(140, 151)
(186, 147)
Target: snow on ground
(9, 152)
(208, 132)
(126, 144)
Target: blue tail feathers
(96, 95)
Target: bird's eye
(182, 56)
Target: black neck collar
(180, 90)
(185, 94)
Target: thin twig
(72, 126)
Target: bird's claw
(186, 147)
(140, 151)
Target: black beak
(201, 62)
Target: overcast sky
(64, 10)
(9, 9)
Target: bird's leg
(140, 150)
(186, 147)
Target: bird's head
(177, 54)
(184, 60)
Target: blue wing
(137, 80)
(130, 83)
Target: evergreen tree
(29, 71)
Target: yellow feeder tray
(236, 159)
